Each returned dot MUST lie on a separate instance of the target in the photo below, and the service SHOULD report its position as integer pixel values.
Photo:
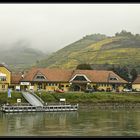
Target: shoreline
(109, 105)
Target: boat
(36, 104)
(46, 108)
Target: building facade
(71, 80)
(5, 78)
(51, 80)
(136, 84)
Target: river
(84, 122)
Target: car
(59, 91)
(127, 90)
(137, 89)
(89, 90)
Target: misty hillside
(20, 56)
(121, 49)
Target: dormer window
(40, 77)
(113, 78)
(79, 78)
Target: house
(71, 80)
(67, 80)
(5, 77)
(136, 84)
(101, 80)
(46, 79)
(15, 81)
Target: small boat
(46, 108)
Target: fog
(50, 27)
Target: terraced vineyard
(121, 49)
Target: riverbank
(109, 106)
(81, 98)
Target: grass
(97, 97)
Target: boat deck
(47, 108)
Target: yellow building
(71, 80)
(67, 80)
(136, 84)
(5, 78)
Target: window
(39, 85)
(113, 78)
(3, 86)
(80, 78)
(51, 84)
(2, 78)
(40, 77)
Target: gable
(80, 77)
(39, 77)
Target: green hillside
(19, 58)
(121, 49)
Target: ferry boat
(36, 104)
(47, 108)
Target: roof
(61, 75)
(137, 80)
(1, 65)
(100, 76)
(50, 74)
(15, 78)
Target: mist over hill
(20, 55)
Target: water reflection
(81, 123)
(36, 123)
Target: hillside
(20, 57)
(121, 49)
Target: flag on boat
(9, 93)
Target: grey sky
(53, 26)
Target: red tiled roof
(99, 76)
(57, 75)
(15, 78)
(50, 74)
(137, 80)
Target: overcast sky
(50, 27)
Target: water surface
(84, 122)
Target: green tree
(123, 72)
(84, 67)
(134, 74)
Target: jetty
(36, 104)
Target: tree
(124, 33)
(134, 74)
(123, 72)
(84, 67)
